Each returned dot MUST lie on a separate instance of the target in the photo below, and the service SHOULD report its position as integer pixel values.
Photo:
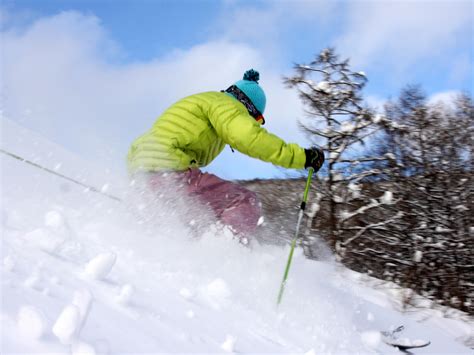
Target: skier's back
(192, 132)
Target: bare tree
(339, 120)
(432, 173)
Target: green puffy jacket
(193, 131)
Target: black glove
(314, 158)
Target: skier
(193, 131)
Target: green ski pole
(293, 243)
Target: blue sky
(92, 75)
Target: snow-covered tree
(400, 207)
(432, 174)
(341, 123)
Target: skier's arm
(238, 129)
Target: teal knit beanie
(249, 85)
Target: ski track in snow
(82, 274)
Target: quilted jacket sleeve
(238, 129)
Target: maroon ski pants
(231, 203)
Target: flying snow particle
(417, 256)
(370, 317)
(229, 344)
(371, 338)
(99, 267)
(104, 188)
(67, 325)
(261, 220)
(310, 352)
(387, 197)
(228, 232)
(31, 322)
(217, 293)
(390, 156)
(218, 288)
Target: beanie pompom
(252, 75)
(250, 87)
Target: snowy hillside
(81, 273)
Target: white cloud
(263, 24)
(443, 97)
(405, 31)
(58, 79)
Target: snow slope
(83, 274)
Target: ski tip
(408, 346)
